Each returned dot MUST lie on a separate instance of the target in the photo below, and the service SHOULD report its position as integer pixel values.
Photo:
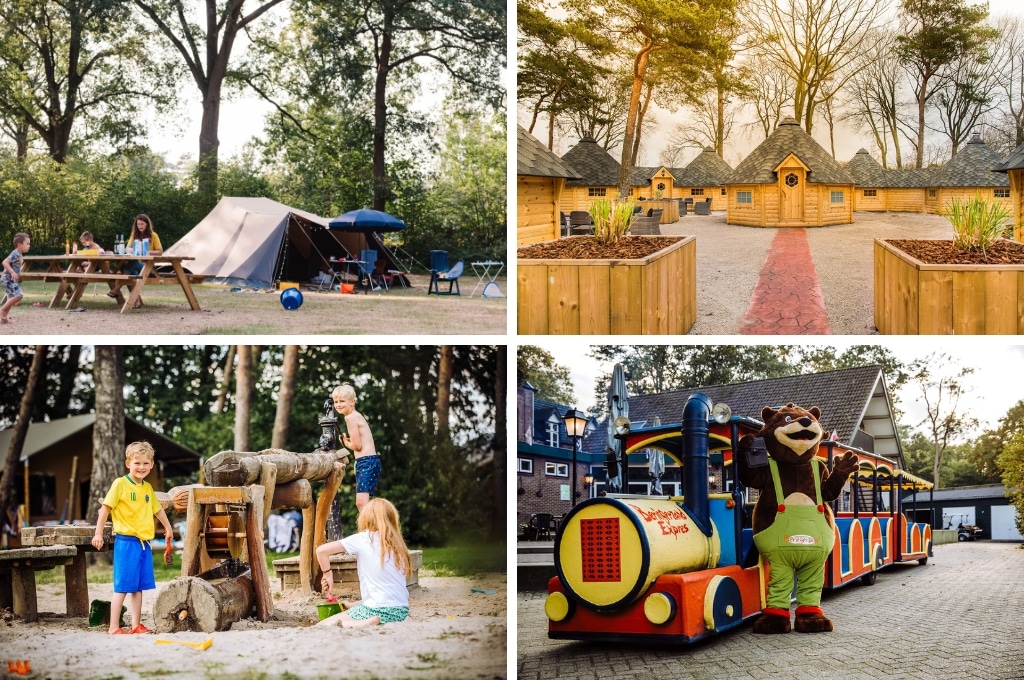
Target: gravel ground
(729, 259)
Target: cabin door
(791, 194)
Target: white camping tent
(261, 241)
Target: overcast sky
(997, 384)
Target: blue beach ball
(291, 298)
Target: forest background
(398, 106)
(431, 409)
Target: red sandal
(140, 629)
(118, 631)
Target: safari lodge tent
(789, 180)
(260, 242)
(540, 181)
(49, 454)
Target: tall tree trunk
(381, 188)
(640, 63)
(68, 371)
(498, 444)
(444, 389)
(229, 363)
(108, 432)
(921, 101)
(285, 396)
(28, 400)
(243, 394)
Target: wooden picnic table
(69, 271)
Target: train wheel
(923, 561)
(723, 604)
(869, 578)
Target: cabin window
(552, 432)
(932, 193)
(524, 465)
(1001, 192)
(661, 186)
(556, 469)
(836, 196)
(792, 180)
(870, 193)
(744, 196)
(594, 192)
(697, 192)
(723, 191)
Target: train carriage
(678, 569)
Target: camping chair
(368, 270)
(451, 277)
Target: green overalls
(797, 542)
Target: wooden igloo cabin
(880, 190)
(540, 183)
(968, 174)
(597, 175)
(789, 180)
(705, 178)
(1013, 166)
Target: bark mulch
(589, 248)
(943, 252)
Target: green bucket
(99, 613)
(328, 609)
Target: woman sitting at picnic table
(143, 231)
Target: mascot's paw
(773, 622)
(811, 620)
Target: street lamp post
(575, 427)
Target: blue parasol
(365, 220)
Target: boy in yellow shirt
(132, 503)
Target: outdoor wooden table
(68, 271)
(78, 537)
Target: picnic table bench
(69, 272)
(45, 548)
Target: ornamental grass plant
(977, 223)
(611, 219)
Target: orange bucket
(348, 288)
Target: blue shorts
(387, 614)
(367, 474)
(133, 565)
(11, 287)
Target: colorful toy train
(667, 570)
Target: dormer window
(552, 431)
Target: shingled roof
(642, 176)
(789, 138)
(910, 178)
(1015, 161)
(536, 160)
(972, 167)
(593, 165)
(866, 171)
(844, 397)
(706, 170)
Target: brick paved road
(959, 616)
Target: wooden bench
(346, 577)
(18, 575)
(77, 537)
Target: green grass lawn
(456, 560)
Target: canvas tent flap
(261, 241)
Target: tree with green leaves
(380, 47)
(72, 62)
(679, 33)
(941, 385)
(1011, 463)
(935, 35)
(205, 43)
(987, 446)
(539, 368)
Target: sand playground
(457, 628)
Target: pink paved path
(787, 298)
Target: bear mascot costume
(792, 521)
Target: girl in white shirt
(383, 564)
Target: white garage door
(1004, 523)
(951, 517)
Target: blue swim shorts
(367, 474)
(133, 565)
(11, 287)
(387, 614)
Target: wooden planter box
(914, 298)
(653, 295)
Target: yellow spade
(194, 645)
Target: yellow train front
(654, 568)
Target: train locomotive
(678, 569)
